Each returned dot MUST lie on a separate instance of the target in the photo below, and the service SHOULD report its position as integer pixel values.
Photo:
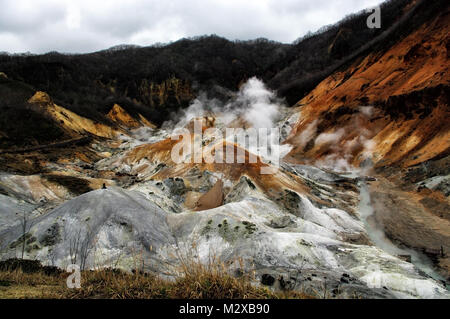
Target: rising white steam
(260, 108)
(330, 138)
(342, 151)
(254, 107)
(254, 103)
(201, 106)
(306, 135)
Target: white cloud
(88, 25)
(73, 18)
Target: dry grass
(17, 285)
(197, 282)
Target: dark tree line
(90, 84)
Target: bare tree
(80, 247)
(52, 257)
(1, 249)
(85, 249)
(74, 243)
(25, 226)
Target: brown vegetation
(196, 281)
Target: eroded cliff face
(171, 92)
(75, 145)
(74, 124)
(121, 117)
(77, 126)
(407, 87)
(388, 114)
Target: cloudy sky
(40, 26)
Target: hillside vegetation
(158, 80)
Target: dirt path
(82, 140)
